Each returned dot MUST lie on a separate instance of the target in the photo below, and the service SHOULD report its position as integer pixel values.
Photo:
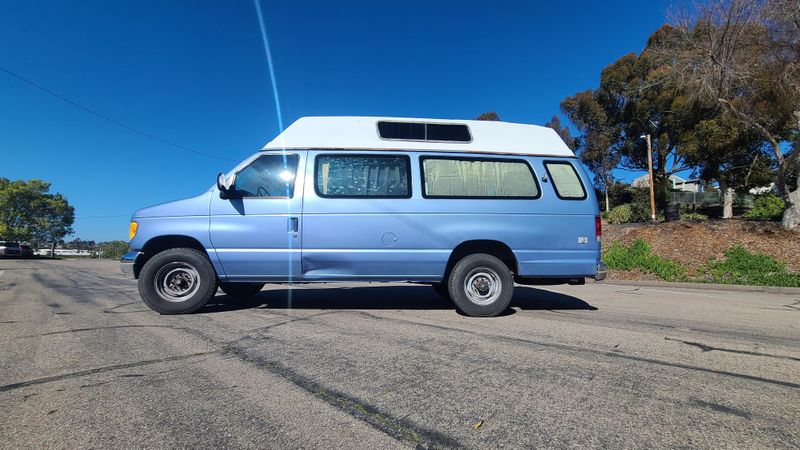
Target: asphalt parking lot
(85, 364)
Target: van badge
(583, 240)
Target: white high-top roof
(361, 133)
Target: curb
(704, 286)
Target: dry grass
(693, 243)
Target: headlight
(132, 231)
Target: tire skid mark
(721, 408)
(616, 323)
(82, 373)
(793, 306)
(113, 309)
(604, 353)
(398, 428)
(711, 348)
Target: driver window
(268, 176)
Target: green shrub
(639, 255)
(742, 267)
(640, 206)
(766, 207)
(628, 213)
(620, 214)
(693, 216)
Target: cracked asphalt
(85, 363)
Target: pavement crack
(112, 327)
(82, 373)
(100, 383)
(634, 291)
(710, 348)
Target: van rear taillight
(598, 228)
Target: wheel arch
(158, 244)
(498, 249)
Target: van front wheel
(177, 281)
(481, 285)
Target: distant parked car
(26, 251)
(8, 248)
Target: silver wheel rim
(177, 282)
(482, 286)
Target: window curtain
(566, 180)
(459, 178)
(362, 176)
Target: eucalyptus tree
(720, 148)
(634, 98)
(743, 57)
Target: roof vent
(416, 131)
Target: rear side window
(477, 178)
(566, 181)
(363, 176)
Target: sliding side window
(363, 176)
(445, 177)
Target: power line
(109, 119)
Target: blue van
(469, 207)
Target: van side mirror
(221, 182)
(225, 190)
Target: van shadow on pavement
(419, 297)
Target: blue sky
(195, 73)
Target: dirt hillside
(692, 243)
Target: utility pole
(652, 181)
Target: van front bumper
(128, 262)
(601, 272)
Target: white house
(677, 183)
(765, 189)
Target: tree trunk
(727, 200)
(791, 217)
(780, 182)
(53, 250)
(608, 207)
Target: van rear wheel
(241, 290)
(481, 285)
(177, 281)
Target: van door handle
(293, 225)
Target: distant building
(764, 189)
(66, 252)
(678, 183)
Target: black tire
(241, 290)
(177, 281)
(490, 291)
(441, 289)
